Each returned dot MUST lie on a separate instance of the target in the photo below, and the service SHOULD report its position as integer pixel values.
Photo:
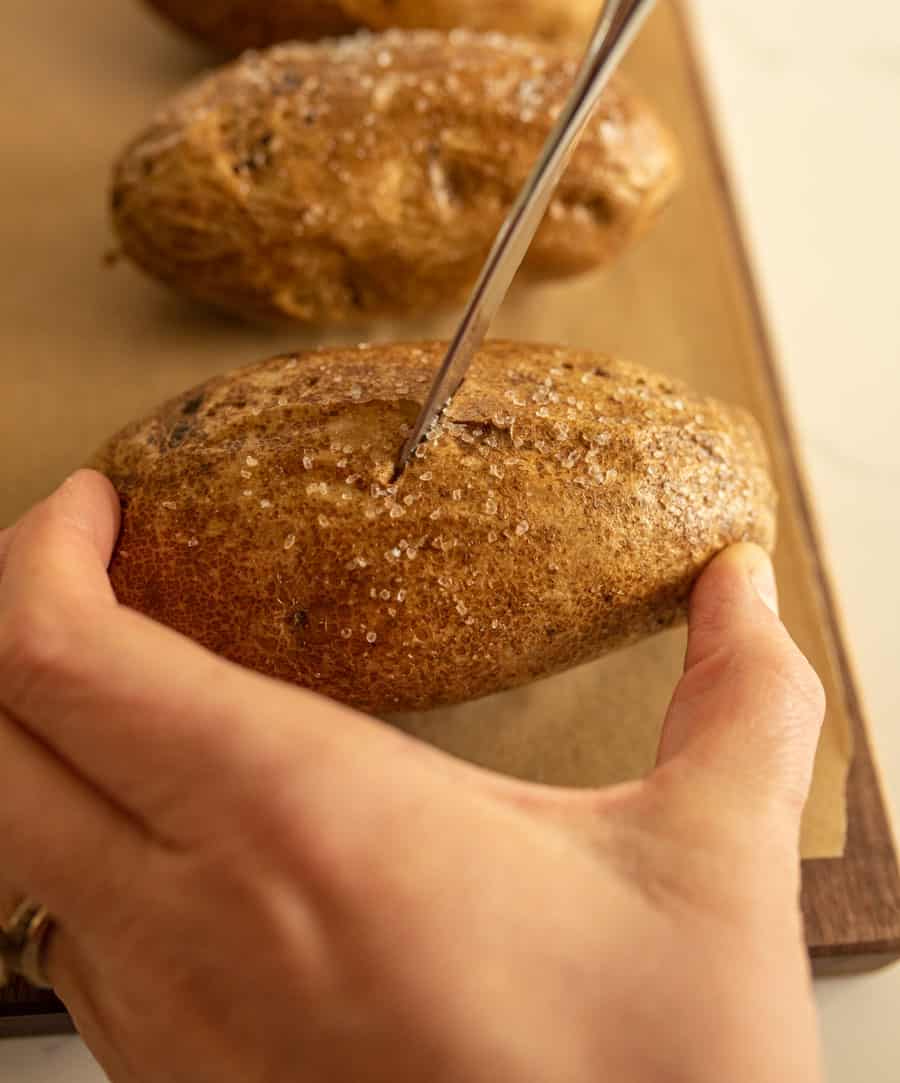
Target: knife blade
(616, 28)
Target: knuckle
(809, 689)
(791, 676)
(763, 688)
(35, 645)
(796, 709)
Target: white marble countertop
(810, 104)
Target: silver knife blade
(616, 29)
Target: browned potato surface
(556, 19)
(337, 183)
(564, 507)
(243, 24)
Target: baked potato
(563, 507)
(337, 183)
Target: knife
(616, 29)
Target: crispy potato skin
(565, 508)
(338, 183)
(235, 25)
(552, 19)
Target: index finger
(84, 514)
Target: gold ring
(23, 944)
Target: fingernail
(762, 576)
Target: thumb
(748, 712)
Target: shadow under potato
(590, 727)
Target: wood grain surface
(86, 348)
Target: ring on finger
(24, 939)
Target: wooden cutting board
(86, 348)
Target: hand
(254, 885)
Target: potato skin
(551, 19)
(565, 508)
(235, 25)
(338, 183)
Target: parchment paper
(86, 347)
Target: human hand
(255, 885)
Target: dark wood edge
(36, 1026)
(849, 966)
(851, 954)
(26, 1013)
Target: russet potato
(337, 183)
(564, 507)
